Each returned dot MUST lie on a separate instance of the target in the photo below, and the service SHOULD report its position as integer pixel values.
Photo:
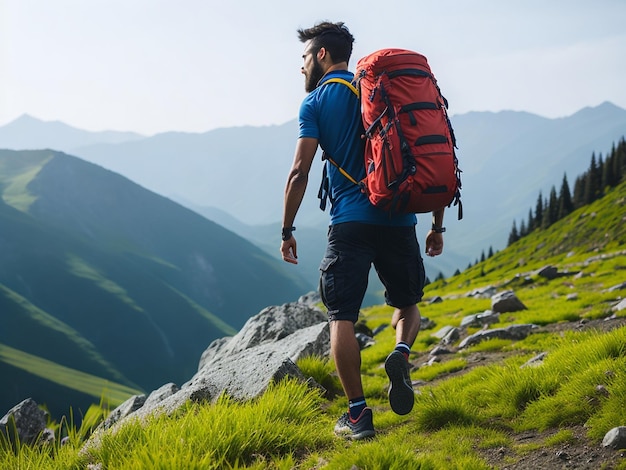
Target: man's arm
(294, 192)
(434, 239)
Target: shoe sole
(401, 396)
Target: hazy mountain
(105, 277)
(29, 133)
(506, 158)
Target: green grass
(461, 412)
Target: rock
(310, 299)
(426, 323)
(535, 361)
(615, 438)
(483, 292)
(619, 286)
(620, 306)
(264, 351)
(439, 350)
(443, 332)
(122, 411)
(453, 335)
(480, 319)
(214, 348)
(270, 325)
(506, 301)
(514, 332)
(364, 340)
(26, 420)
(548, 272)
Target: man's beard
(316, 75)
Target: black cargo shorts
(352, 249)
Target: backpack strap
(325, 186)
(350, 85)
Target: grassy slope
(464, 413)
(102, 277)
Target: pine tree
(552, 209)
(490, 253)
(513, 235)
(523, 231)
(531, 221)
(578, 199)
(565, 200)
(591, 182)
(539, 212)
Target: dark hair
(334, 37)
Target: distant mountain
(506, 158)
(104, 277)
(29, 133)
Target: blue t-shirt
(331, 114)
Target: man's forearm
(294, 193)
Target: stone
(26, 421)
(615, 438)
(514, 332)
(506, 301)
(548, 272)
(480, 319)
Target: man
(359, 234)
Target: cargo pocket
(327, 282)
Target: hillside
(544, 399)
(103, 277)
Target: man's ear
(321, 54)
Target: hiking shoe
(401, 396)
(362, 428)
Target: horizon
(44, 121)
(152, 67)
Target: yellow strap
(341, 170)
(356, 92)
(345, 82)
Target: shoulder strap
(354, 89)
(324, 186)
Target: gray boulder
(506, 301)
(26, 422)
(620, 306)
(270, 325)
(514, 332)
(615, 438)
(265, 350)
(480, 319)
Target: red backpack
(410, 162)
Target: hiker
(359, 234)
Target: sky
(152, 66)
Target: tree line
(602, 174)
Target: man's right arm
(294, 191)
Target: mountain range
(111, 281)
(236, 176)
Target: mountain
(104, 277)
(506, 159)
(28, 133)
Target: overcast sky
(152, 66)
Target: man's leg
(406, 321)
(347, 356)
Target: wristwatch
(286, 235)
(438, 229)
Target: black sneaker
(401, 396)
(362, 428)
